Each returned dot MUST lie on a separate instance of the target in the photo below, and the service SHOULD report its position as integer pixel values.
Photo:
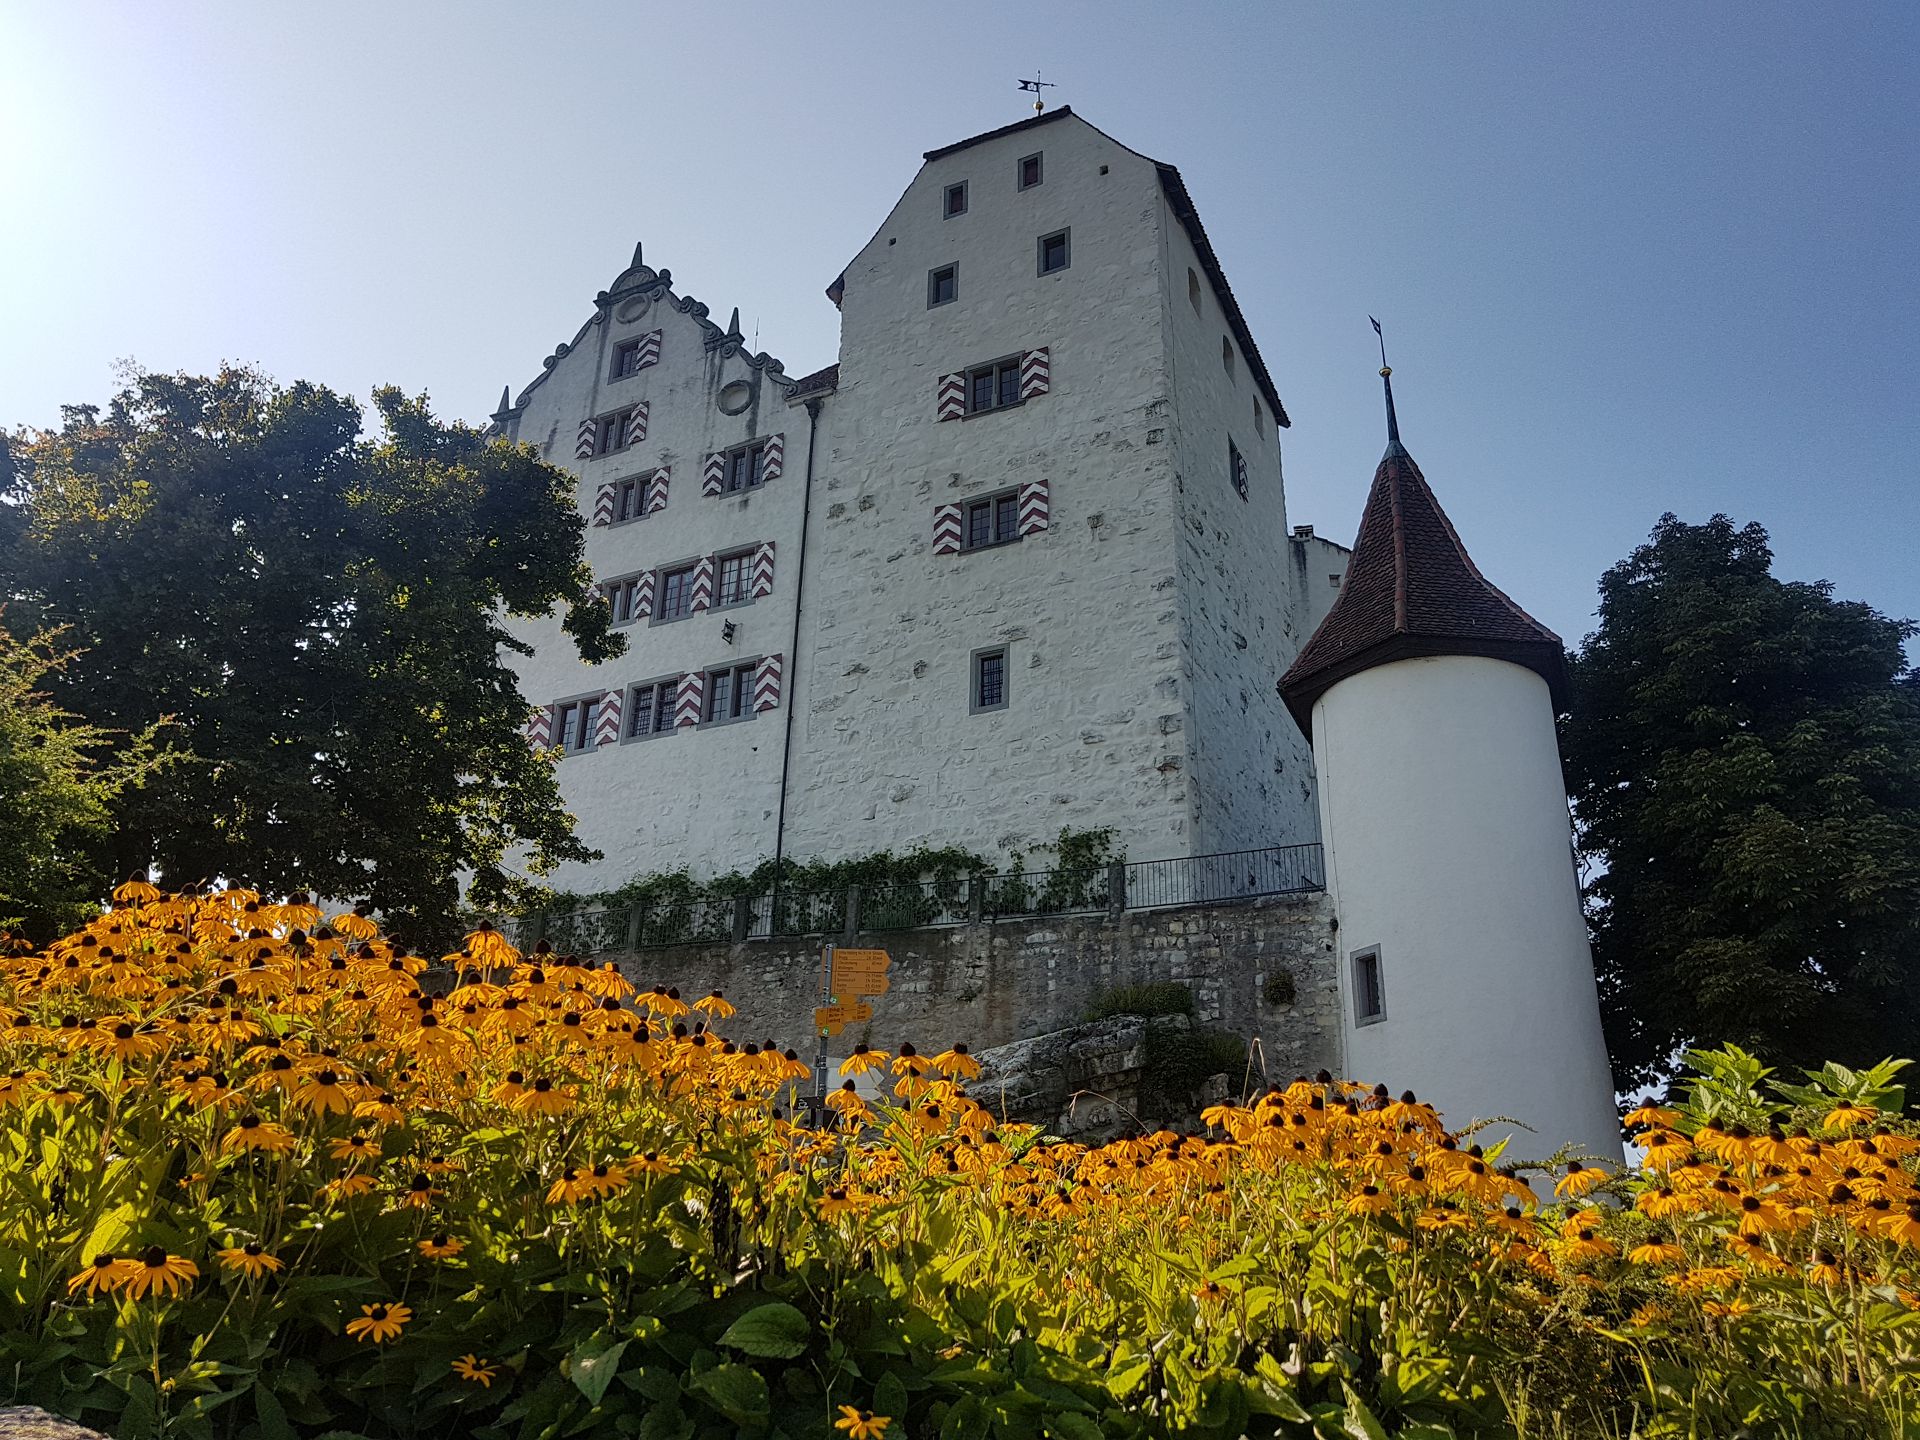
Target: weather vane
(1034, 87)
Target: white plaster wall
(702, 798)
(1319, 566)
(888, 755)
(1445, 819)
(1251, 780)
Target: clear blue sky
(1632, 258)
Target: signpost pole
(820, 1059)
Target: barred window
(650, 708)
(610, 433)
(993, 387)
(989, 681)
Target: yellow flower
(253, 1133)
(137, 890)
(957, 1063)
(103, 1272)
(1580, 1179)
(862, 1424)
(716, 1005)
(1657, 1252)
(355, 1147)
(323, 1094)
(160, 1273)
(250, 1259)
(862, 1060)
(379, 1323)
(1651, 1114)
(1847, 1114)
(472, 1367)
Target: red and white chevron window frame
(637, 423)
(643, 596)
(761, 583)
(946, 529)
(606, 719)
(656, 495)
(766, 683)
(648, 353)
(1036, 511)
(686, 703)
(603, 503)
(539, 729)
(713, 473)
(773, 459)
(701, 598)
(950, 399)
(583, 440)
(1036, 373)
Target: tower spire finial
(1386, 378)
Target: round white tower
(1429, 697)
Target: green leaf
(890, 1395)
(665, 1422)
(592, 1368)
(1072, 1427)
(771, 1332)
(736, 1392)
(1359, 1421)
(1125, 1376)
(272, 1415)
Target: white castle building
(1021, 561)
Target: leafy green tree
(1743, 755)
(56, 794)
(318, 613)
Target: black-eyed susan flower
(716, 1005)
(1847, 1114)
(1657, 1253)
(543, 1097)
(156, 1272)
(957, 1064)
(322, 1093)
(250, 1260)
(1579, 1180)
(354, 1147)
(102, 1272)
(862, 1060)
(472, 1367)
(379, 1323)
(441, 1247)
(862, 1424)
(253, 1133)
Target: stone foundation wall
(1001, 981)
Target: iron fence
(699, 917)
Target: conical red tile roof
(1410, 590)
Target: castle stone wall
(994, 983)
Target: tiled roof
(819, 380)
(1014, 129)
(1410, 590)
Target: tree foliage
(317, 612)
(1743, 756)
(58, 780)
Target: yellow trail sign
(830, 1019)
(860, 972)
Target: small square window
(989, 680)
(742, 467)
(1054, 254)
(992, 520)
(675, 598)
(610, 432)
(954, 202)
(1369, 989)
(943, 285)
(1333, 582)
(993, 387)
(573, 725)
(733, 578)
(650, 708)
(1029, 171)
(626, 359)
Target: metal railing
(700, 917)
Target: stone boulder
(1088, 1082)
(26, 1422)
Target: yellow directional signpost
(845, 977)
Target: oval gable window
(735, 396)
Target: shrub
(1154, 998)
(263, 1179)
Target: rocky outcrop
(26, 1422)
(1094, 1081)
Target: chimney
(1303, 532)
